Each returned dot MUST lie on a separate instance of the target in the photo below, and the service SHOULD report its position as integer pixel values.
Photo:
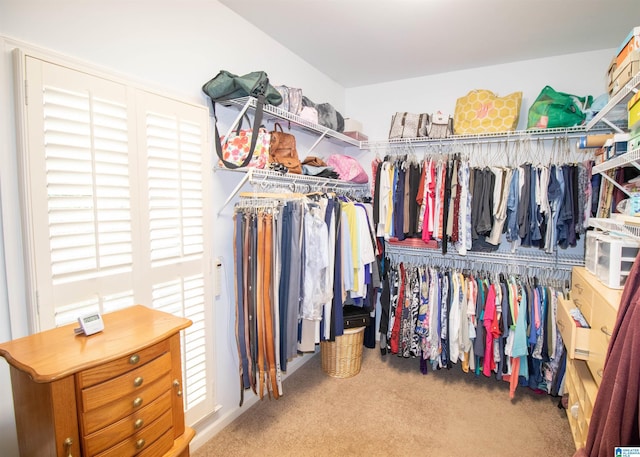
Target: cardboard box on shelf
(617, 145)
(623, 72)
(630, 43)
(357, 135)
(610, 74)
(353, 129)
(351, 125)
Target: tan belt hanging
(266, 296)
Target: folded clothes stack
(315, 166)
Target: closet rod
(269, 179)
(556, 259)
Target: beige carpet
(391, 409)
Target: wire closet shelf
(268, 180)
(556, 265)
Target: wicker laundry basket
(342, 358)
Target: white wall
(579, 74)
(178, 46)
(172, 46)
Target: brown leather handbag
(282, 149)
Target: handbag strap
(239, 129)
(277, 126)
(257, 121)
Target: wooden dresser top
(57, 353)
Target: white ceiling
(360, 42)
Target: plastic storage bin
(615, 258)
(591, 251)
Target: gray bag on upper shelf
(328, 116)
(291, 99)
(408, 125)
(441, 126)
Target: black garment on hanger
(524, 214)
(385, 304)
(376, 196)
(336, 317)
(534, 209)
(398, 210)
(445, 205)
(576, 219)
(566, 210)
(414, 183)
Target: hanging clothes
(297, 262)
(542, 207)
(489, 324)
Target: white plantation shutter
(79, 168)
(176, 226)
(175, 189)
(115, 191)
(185, 297)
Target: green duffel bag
(227, 86)
(554, 109)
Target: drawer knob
(138, 381)
(578, 286)
(140, 443)
(137, 402)
(67, 446)
(135, 358)
(137, 424)
(578, 304)
(604, 330)
(599, 372)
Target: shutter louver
(86, 159)
(185, 297)
(175, 188)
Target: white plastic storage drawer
(591, 251)
(615, 259)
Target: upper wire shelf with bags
(250, 102)
(542, 134)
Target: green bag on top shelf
(227, 86)
(554, 109)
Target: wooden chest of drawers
(586, 347)
(117, 393)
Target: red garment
(614, 421)
(429, 207)
(374, 174)
(420, 194)
(489, 363)
(441, 230)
